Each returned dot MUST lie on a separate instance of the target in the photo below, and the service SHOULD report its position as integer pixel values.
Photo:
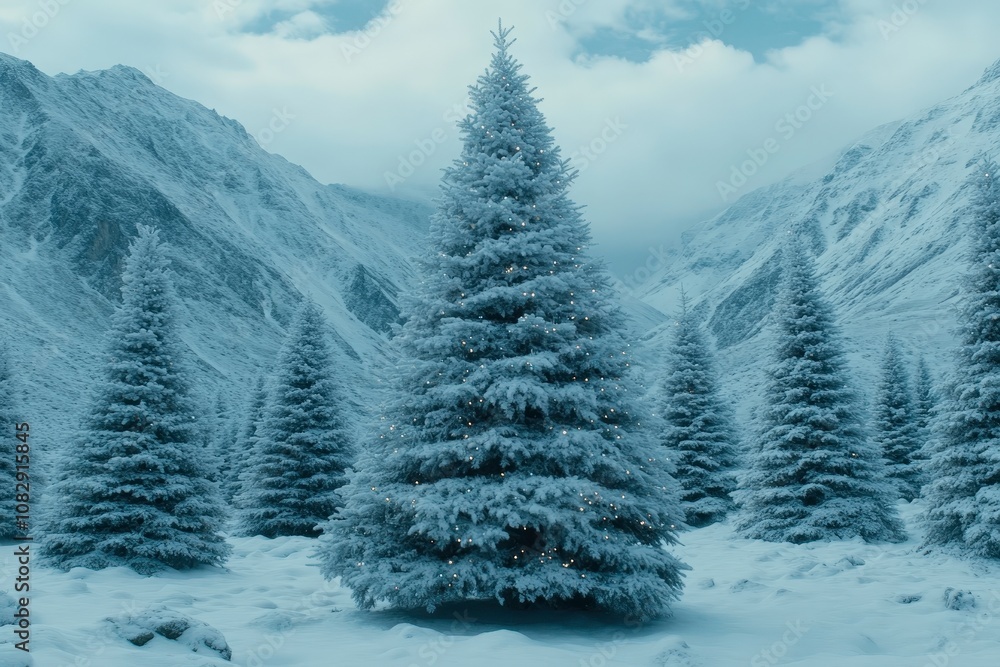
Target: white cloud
(363, 99)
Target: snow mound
(959, 600)
(12, 657)
(677, 653)
(142, 627)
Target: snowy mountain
(84, 158)
(885, 219)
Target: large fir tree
(894, 423)
(513, 461)
(699, 435)
(9, 419)
(814, 474)
(963, 495)
(303, 445)
(135, 488)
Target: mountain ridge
(884, 221)
(86, 157)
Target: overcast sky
(656, 101)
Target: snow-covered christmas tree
(135, 487)
(925, 399)
(9, 418)
(699, 435)
(963, 495)
(895, 429)
(814, 474)
(513, 461)
(243, 445)
(303, 445)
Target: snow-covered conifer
(134, 489)
(814, 474)
(963, 494)
(302, 446)
(699, 437)
(513, 461)
(243, 445)
(925, 398)
(9, 419)
(894, 423)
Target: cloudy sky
(655, 101)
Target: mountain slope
(84, 158)
(886, 221)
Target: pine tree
(814, 474)
(896, 432)
(512, 462)
(925, 399)
(9, 419)
(244, 445)
(963, 495)
(699, 434)
(220, 420)
(135, 489)
(303, 446)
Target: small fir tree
(895, 428)
(813, 474)
(135, 489)
(925, 399)
(244, 445)
(699, 434)
(9, 420)
(303, 448)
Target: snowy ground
(746, 603)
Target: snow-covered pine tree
(699, 436)
(925, 398)
(814, 474)
(513, 461)
(9, 419)
(894, 423)
(963, 496)
(303, 445)
(245, 443)
(134, 490)
(214, 435)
